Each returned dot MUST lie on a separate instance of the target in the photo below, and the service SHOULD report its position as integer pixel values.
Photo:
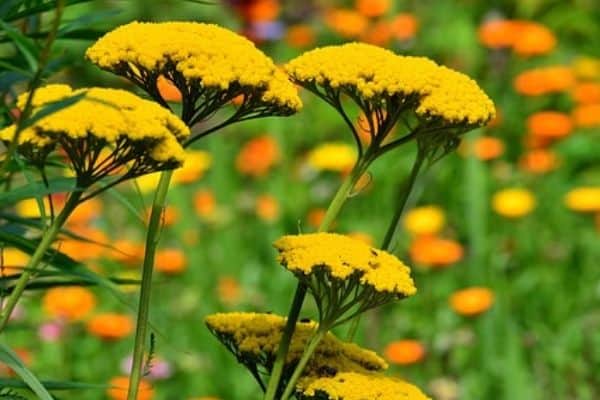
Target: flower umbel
(345, 276)
(103, 132)
(209, 65)
(254, 338)
(389, 88)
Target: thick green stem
(32, 266)
(308, 352)
(332, 211)
(152, 240)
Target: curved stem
(32, 266)
(152, 240)
(332, 211)
(308, 352)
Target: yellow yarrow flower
(425, 220)
(344, 275)
(137, 133)
(583, 199)
(337, 157)
(438, 102)
(208, 64)
(254, 339)
(513, 202)
(358, 386)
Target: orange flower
(205, 203)
(170, 261)
(546, 80)
(300, 36)
(587, 116)
(120, 384)
(71, 303)
(167, 90)
(372, 8)
(263, 10)
(85, 212)
(378, 34)
(586, 93)
(472, 301)
(316, 216)
(539, 161)
(534, 39)
(435, 252)
(549, 124)
(110, 326)
(127, 252)
(228, 290)
(81, 250)
(499, 33)
(404, 26)
(487, 148)
(257, 156)
(267, 208)
(347, 23)
(405, 352)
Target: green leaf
(53, 385)
(8, 357)
(25, 45)
(51, 108)
(37, 189)
(40, 8)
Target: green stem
(152, 240)
(332, 211)
(32, 266)
(403, 198)
(308, 352)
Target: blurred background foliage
(532, 333)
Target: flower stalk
(152, 239)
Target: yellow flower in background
(583, 199)
(586, 67)
(513, 202)
(147, 183)
(339, 157)
(196, 163)
(472, 301)
(356, 386)
(29, 208)
(12, 261)
(425, 220)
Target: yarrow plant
(211, 78)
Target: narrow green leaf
(51, 108)
(25, 45)
(8, 357)
(36, 189)
(53, 385)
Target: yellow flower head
(254, 339)
(208, 64)
(339, 157)
(513, 202)
(387, 86)
(337, 266)
(138, 133)
(358, 386)
(584, 199)
(425, 220)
